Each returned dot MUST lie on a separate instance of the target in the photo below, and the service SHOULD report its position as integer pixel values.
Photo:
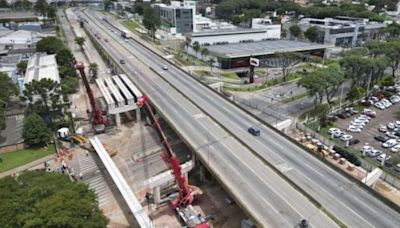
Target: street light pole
(341, 97)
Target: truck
(126, 34)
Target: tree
(333, 78)
(23, 5)
(51, 13)
(7, 90)
(211, 62)
(313, 83)
(311, 33)
(391, 31)
(93, 69)
(204, 52)
(35, 131)
(375, 48)
(50, 45)
(388, 81)
(286, 60)
(196, 47)
(69, 84)
(80, 41)
(22, 67)
(295, 31)
(151, 20)
(392, 52)
(41, 7)
(284, 33)
(65, 57)
(355, 93)
(47, 199)
(3, 4)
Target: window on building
(178, 13)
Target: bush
(35, 131)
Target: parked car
(390, 126)
(353, 128)
(382, 128)
(353, 141)
(369, 112)
(397, 167)
(346, 137)
(380, 106)
(390, 143)
(381, 138)
(333, 129)
(394, 99)
(373, 153)
(386, 103)
(395, 148)
(122, 61)
(366, 149)
(358, 123)
(391, 134)
(384, 157)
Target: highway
(272, 201)
(342, 197)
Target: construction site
(142, 172)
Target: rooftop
(10, 59)
(21, 37)
(42, 66)
(225, 32)
(262, 48)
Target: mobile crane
(98, 120)
(182, 204)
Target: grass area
(261, 73)
(22, 157)
(230, 75)
(295, 97)
(315, 112)
(131, 25)
(189, 60)
(202, 73)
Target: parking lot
(370, 130)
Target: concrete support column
(186, 177)
(138, 116)
(202, 173)
(157, 195)
(118, 119)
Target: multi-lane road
(346, 200)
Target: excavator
(183, 203)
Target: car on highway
(346, 137)
(353, 128)
(381, 138)
(383, 157)
(165, 67)
(390, 143)
(254, 131)
(122, 61)
(395, 148)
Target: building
(8, 65)
(179, 17)
(41, 66)
(238, 55)
(30, 26)
(20, 39)
(228, 36)
(273, 30)
(343, 31)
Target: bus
(125, 34)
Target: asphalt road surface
(272, 201)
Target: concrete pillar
(202, 173)
(118, 119)
(138, 116)
(186, 177)
(157, 195)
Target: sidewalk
(28, 165)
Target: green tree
(51, 12)
(196, 47)
(211, 62)
(284, 33)
(204, 52)
(355, 93)
(69, 84)
(375, 48)
(391, 31)
(314, 84)
(50, 45)
(311, 33)
(286, 60)
(41, 7)
(93, 67)
(47, 199)
(151, 20)
(7, 90)
(65, 57)
(333, 78)
(3, 4)
(23, 5)
(80, 41)
(295, 31)
(22, 67)
(35, 131)
(392, 52)
(388, 81)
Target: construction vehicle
(182, 204)
(98, 120)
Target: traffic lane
(296, 220)
(351, 213)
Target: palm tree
(211, 61)
(204, 52)
(80, 40)
(196, 47)
(187, 45)
(93, 69)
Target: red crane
(98, 119)
(186, 194)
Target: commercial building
(20, 39)
(343, 31)
(228, 36)
(273, 31)
(8, 65)
(41, 66)
(179, 17)
(238, 55)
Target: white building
(41, 66)
(226, 36)
(273, 30)
(20, 39)
(178, 17)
